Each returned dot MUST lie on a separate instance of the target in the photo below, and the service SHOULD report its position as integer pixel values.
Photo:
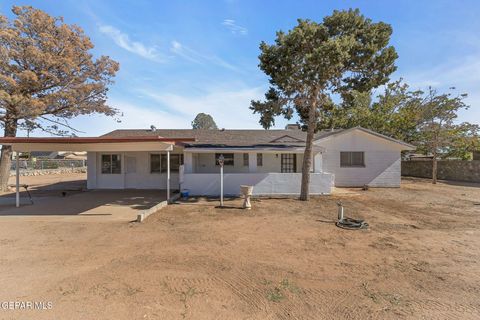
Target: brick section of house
(456, 170)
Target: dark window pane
(259, 159)
(345, 159)
(111, 163)
(245, 159)
(116, 164)
(175, 161)
(106, 163)
(154, 163)
(352, 159)
(357, 158)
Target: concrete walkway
(95, 205)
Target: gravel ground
(284, 259)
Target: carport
(91, 144)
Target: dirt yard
(284, 259)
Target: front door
(131, 172)
(289, 163)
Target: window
(155, 163)
(228, 159)
(352, 159)
(158, 162)
(176, 160)
(245, 159)
(259, 159)
(111, 164)
(289, 163)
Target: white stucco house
(270, 160)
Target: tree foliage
(204, 121)
(403, 114)
(395, 112)
(47, 75)
(311, 63)
(438, 132)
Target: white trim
(98, 147)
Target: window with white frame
(111, 164)
(352, 159)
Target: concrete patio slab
(95, 205)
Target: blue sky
(179, 58)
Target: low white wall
(208, 184)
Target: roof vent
(153, 128)
(292, 126)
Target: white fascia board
(94, 147)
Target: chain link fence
(49, 164)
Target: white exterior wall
(205, 184)
(140, 179)
(382, 160)
(91, 170)
(205, 163)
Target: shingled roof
(244, 138)
(227, 138)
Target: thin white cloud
(463, 74)
(454, 73)
(234, 28)
(135, 116)
(185, 52)
(228, 107)
(197, 57)
(123, 40)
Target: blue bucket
(185, 193)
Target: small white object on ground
(247, 192)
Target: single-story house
(270, 160)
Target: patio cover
(145, 143)
(92, 144)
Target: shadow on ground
(72, 198)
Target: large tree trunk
(307, 155)
(6, 157)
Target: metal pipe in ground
(340, 211)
